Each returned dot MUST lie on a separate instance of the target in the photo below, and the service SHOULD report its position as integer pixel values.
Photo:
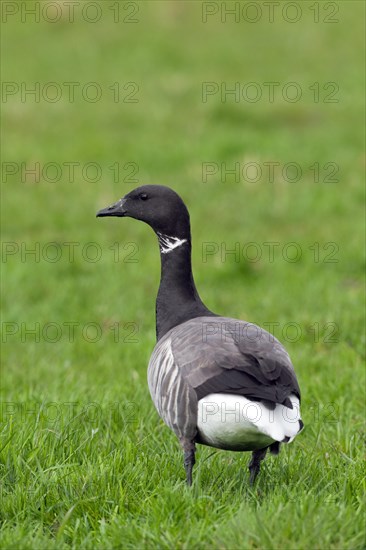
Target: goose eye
(143, 196)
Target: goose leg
(189, 449)
(255, 464)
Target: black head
(157, 205)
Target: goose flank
(214, 380)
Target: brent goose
(214, 380)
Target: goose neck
(177, 300)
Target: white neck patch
(167, 243)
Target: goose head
(158, 206)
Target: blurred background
(142, 95)
(254, 113)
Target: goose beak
(116, 209)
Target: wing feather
(222, 355)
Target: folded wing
(223, 355)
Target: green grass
(85, 460)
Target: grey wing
(222, 355)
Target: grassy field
(85, 460)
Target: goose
(214, 380)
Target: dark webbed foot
(189, 449)
(255, 464)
